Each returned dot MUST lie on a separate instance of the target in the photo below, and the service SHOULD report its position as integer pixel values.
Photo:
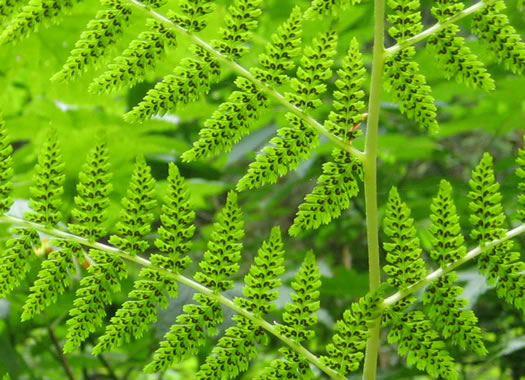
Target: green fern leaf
(53, 278)
(6, 169)
(420, 343)
(200, 320)
(234, 351)
(92, 296)
(332, 195)
(15, 262)
(447, 239)
(346, 350)
(193, 12)
(235, 117)
(92, 200)
(33, 15)
(295, 143)
(102, 32)
(142, 54)
(48, 185)
(189, 80)
(348, 104)
(135, 316)
(402, 74)
(499, 263)
(240, 20)
(493, 27)
(406, 266)
(298, 320)
(322, 7)
(107, 270)
(451, 52)
(136, 216)
(194, 76)
(443, 305)
(520, 172)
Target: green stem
(450, 267)
(184, 280)
(370, 181)
(434, 28)
(241, 70)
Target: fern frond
(402, 73)
(136, 216)
(15, 262)
(348, 343)
(240, 21)
(406, 266)
(451, 52)
(234, 351)
(135, 316)
(141, 55)
(194, 76)
(102, 32)
(92, 200)
(348, 104)
(107, 271)
(447, 239)
(520, 172)
(498, 263)
(298, 320)
(94, 293)
(235, 117)
(200, 320)
(322, 7)
(420, 343)
(189, 80)
(32, 16)
(53, 278)
(193, 12)
(332, 195)
(503, 40)
(6, 169)
(444, 307)
(294, 144)
(48, 185)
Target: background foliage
(471, 121)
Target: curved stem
(370, 181)
(182, 279)
(443, 271)
(239, 69)
(435, 28)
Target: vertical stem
(370, 180)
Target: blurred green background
(472, 122)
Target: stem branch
(370, 181)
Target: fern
(452, 53)
(219, 264)
(293, 144)
(107, 270)
(493, 26)
(422, 308)
(499, 263)
(135, 316)
(298, 318)
(234, 118)
(402, 73)
(234, 351)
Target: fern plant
(419, 300)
